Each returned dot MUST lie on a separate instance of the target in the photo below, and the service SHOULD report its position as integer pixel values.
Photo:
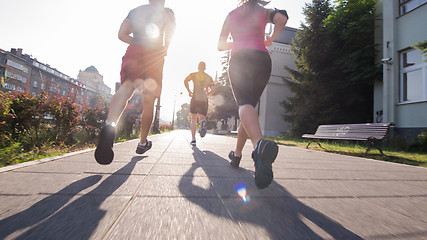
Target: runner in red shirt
(148, 30)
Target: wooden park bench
(372, 133)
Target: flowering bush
(165, 127)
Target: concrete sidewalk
(175, 191)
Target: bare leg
(119, 101)
(147, 116)
(201, 118)
(193, 126)
(104, 151)
(249, 118)
(242, 137)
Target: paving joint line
(242, 233)
(121, 213)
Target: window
(35, 84)
(17, 65)
(413, 76)
(16, 76)
(409, 5)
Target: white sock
(113, 124)
(143, 144)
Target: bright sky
(73, 35)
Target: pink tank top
(248, 30)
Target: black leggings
(249, 71)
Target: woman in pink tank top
(249, 72)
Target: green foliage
(420, 143)
(127, 123)
(11, 154)
(335, 69)
(396, 142)
(165, 127)
(422, 47)
(24, 119)
(15, 153)
(31, 126)
(224, 104)
(93, 116)
(66, 117)
(183, 117)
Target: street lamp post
(173, 115)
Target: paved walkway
(175, 191)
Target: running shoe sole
(203, 130)
(266, 154)
(104, 151)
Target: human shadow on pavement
(44, 208)
(77, 220)
(273, 208)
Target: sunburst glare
(241, 191)
(152, 30)
(218, 100)
(150, 84)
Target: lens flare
(150, 84)
(152, 30)
(218, 100)
(241, 191)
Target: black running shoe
(264, 155)
(142, 149)
(104, 151)
(235, 160)
(193, 142)
(203, 129)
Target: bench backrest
(366, 130)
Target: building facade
(401, 97)
(91, 78)
(269, 109)
(23, 73)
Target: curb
(44, 160)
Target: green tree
(422, 47)
(335, 68)
(224, 104)
(183, 117)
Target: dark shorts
(142, 63)
(249, 71)
(199, 107)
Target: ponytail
(260, 2)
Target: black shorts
(199, 107)
(249, 71)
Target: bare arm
(125, 31)
(169, 29)
(279, 21)
(188, 79)
(211, 87)
(223, 45)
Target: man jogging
(203, 86)
(148, 30)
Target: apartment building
(401, 96)
(269, 109)
(23, 73)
